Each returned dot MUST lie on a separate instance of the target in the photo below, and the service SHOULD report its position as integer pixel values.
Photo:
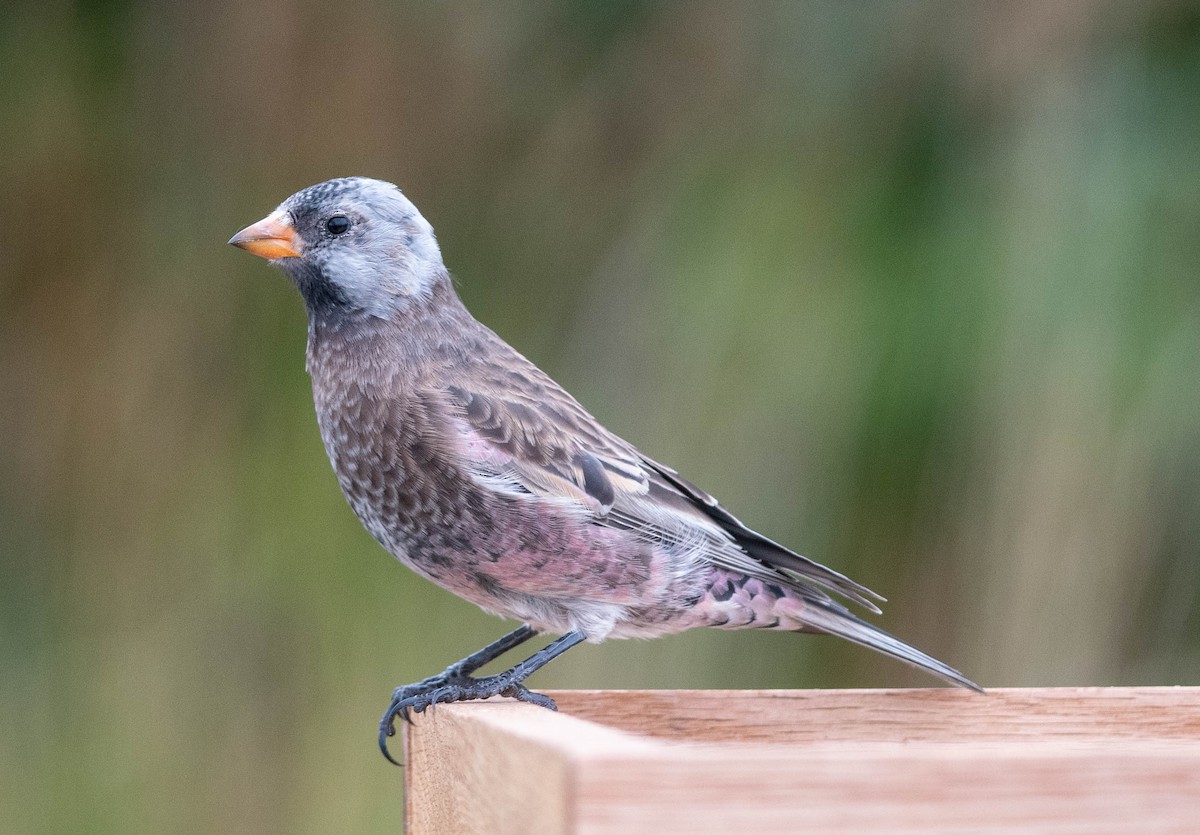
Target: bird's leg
(491, 652)
(456, 684)
(460, 670)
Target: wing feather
(551, 448)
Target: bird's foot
(453, 685)
(456, 684)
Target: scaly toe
(523, 694)
(449, 687)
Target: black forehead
(377, 197)
(330, 191)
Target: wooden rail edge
(937, 760)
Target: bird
(476, 470)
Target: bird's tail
(738, 601)
(831, 619)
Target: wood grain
(1047, 760)
(795, 716)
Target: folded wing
(548, 447)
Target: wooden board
(1047, 760)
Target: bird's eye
(338, 225)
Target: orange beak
(272, 237)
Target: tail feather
(832, 619)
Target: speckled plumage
(480, 473)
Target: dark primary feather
(764, 550)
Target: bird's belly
(538, 561)
(531, 564)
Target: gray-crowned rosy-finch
(480, 473)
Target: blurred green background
(912, 287)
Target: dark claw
(456, 684)
(450, 687)
(400, 706)
(387, 728)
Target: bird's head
(352, 242)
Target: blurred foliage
(911, 287)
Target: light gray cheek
(362, 278)
(378, 279)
